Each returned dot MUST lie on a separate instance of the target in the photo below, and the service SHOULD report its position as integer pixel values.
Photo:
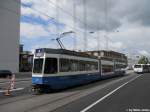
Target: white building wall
(9, 34)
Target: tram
(59, 69)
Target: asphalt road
(129, 96)
(120, 94)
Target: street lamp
(61, 36)
(65, 33)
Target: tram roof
(66, 52)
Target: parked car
(5, 73)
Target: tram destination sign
(39, 52)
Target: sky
(122, 24)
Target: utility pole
(57, 18)
(106, 24)
(98, 34)
(74, 21)
(107, 41)
(98, 40)
(85, 24)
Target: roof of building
(114, 52)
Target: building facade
(25, 60)
(120, 57)
(9, 34)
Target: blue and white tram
(59, 69)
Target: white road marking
(17, 89)
(15, 81)
(101, 99)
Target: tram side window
(67, 65)
(74, 65)
(70, 65)
(82, 65)
(107, 68)
(64, 65)
(119, 66)
(50, 66)
(94, 66)
(88, 66)
(38, 65)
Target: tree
(143, 60)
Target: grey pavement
(23, 75)
(69, 100)
(17, 79)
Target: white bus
(141, 68)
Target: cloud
(31, 11)
(135, 11)
(144, 53)
(117, 45)
(117, 11)
(131, 18)
(32, 30)
(27, 1)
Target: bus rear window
(137, 66)
(50, 66)
(38, 65)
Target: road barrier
(11, 85)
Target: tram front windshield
(38, 65)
